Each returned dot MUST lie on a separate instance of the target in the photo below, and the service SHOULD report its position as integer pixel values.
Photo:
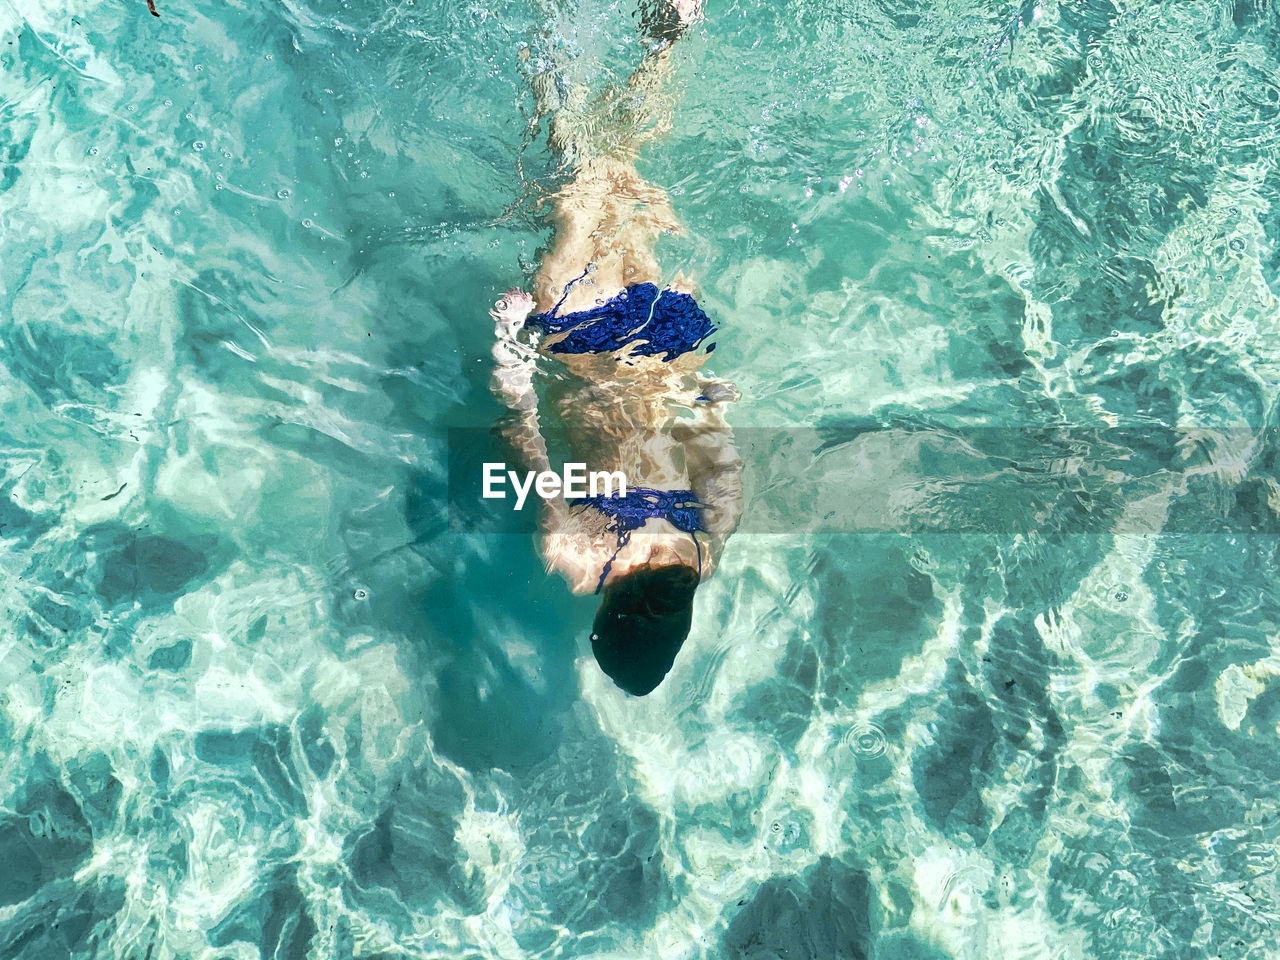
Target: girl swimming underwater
(630, 347)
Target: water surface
(258, 700)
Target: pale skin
(661, 423)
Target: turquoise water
(258, 700)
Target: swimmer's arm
(715, 466)
(512, 384)
(512, 380)
(718, 484)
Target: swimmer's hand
(512, 380)
(510, 312)
(718, 391)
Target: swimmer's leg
(617, 121)
(662, 23)
(668, 20)
(608, 216)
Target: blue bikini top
(650, 320)
(640, 504)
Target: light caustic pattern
(258, 700)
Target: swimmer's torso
(626, 425)
(632, 400)
(632, 361)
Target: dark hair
(642, 622)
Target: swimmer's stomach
(645, 452)
(618, 404)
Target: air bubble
(865, 739)
(283, 193)
(361, 594)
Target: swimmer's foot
(666, 21)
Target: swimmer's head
(642, 622)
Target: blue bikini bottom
(650, 321)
